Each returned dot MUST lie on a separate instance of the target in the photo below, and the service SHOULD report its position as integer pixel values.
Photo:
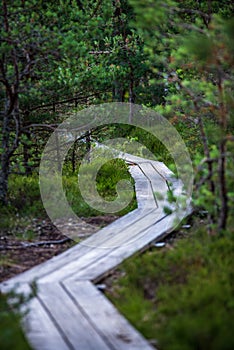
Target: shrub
(184, 295)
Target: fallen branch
(37, 244)
(24, 245)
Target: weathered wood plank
(40, 330)
(143, 187)
(95, 269)
(105, 318)
(159, 185)
(126, 237)
(70, 319)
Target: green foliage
(174, 55)
(25, 201)
(112, 172)
(136, 141)
(72, 51)
(195, 41)
(182, 297)
(24, 204)
(107, 178)
(11, 335)
(24, 195)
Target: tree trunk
(5, 161)
(88, 144)
(4, 174)
(206, 153)
(223, 215)
(131, 93)
(59, 161)
(26, 156)
(8, 146)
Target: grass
(105, 183)
(183, 297)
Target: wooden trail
(69, 312)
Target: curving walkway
(69, 311)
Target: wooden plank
(133, 159)
(70, 319)
(162, 169)
(159, 167)
(173, 183)
(158, 182)
(143, 188)
(112, 326)
(99, 267)
(125, 237)
(159, 185)
(40, 330)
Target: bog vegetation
(173, 56)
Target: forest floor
(18, 254)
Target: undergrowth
(24, 200)
(106, 182)
(11, 335)
(182, 297)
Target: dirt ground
(18, 254)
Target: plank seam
(56, 324)
(86, 315)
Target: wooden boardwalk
(69, 312)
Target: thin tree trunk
(26, 156)
(222, 223)
(206, 150)
(207, 154)
(59, 164)
(4, 175)
(8, 147)
(131, 93)
(5, 164)
(88, 145)
(73, 159)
